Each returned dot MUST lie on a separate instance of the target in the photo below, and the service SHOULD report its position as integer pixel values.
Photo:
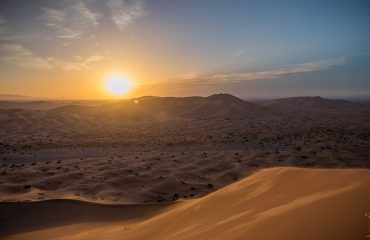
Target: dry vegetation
(57, 151)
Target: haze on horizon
(180, 48)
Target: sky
(252, 49)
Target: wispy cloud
(78, 63)
(86, 13)
(70, 22)
(4, 34)
(219, 78)
(8, 33)
(125, 12)
(2, 25)
(17, 54)
(75, 19)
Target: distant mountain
(218, 106)
(308, 102)
(223, 106)
(15, 97)
(358, 98)
(316, 104)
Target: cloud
(2, 25)
(77, 64)
(70, 22)
(219, 78)
(17, 54)
(86, 13)
(4, 35)
(125, 12)
(7, 33)
(74, 19)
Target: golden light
(118, 85)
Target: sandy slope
(276, 203)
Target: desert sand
(125, 169)
(165, 149)
(276, 203)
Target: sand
(276, 203)
(172, 168)
(54, 155)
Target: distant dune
(276, 203)
(16, 97)
(29, 104)
(25, 121)
(218, 106)
(162, 108)
(314, 104)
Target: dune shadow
(20, 217)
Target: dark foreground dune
(276, 203)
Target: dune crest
(289, 203)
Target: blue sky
(247, 48)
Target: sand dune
(52, 155)
(217, 106)
(44, 105)
(316, 105)
(61, 169)
(22, 121)
(276, 203)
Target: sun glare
(118, 85)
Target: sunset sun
(118, 85)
